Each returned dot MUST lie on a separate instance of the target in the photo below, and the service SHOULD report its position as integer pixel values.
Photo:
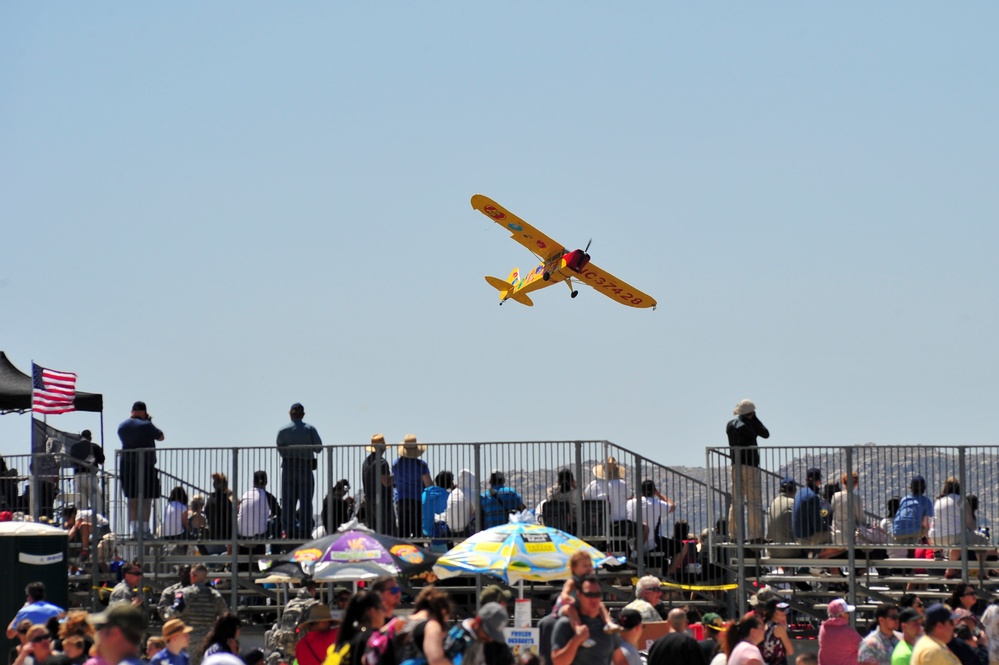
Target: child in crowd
(581, 565)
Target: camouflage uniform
(165, 607)
(198, 606)
(280, 641)
(123, 593)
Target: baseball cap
(494, 593)
(763, 596)
(937, 613)
(138, 406)
(297, 406)
(788, 484)
(86, 434)
(713, 621)
(494, 619)
(909, 614)
(629, 619)
(123, 616)
(839, 606)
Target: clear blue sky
(224, 208)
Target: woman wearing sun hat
(609, 485)
(177, 636)
(412, 476)
(312, 647)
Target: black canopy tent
(15, 391)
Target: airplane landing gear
(574, 294)
(546, 276)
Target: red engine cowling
(576, 260)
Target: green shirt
(902, 653)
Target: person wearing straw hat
(320, 635)
(742, 432)
(177, 636)
(376, 481)
(609, 485)
(412, 476)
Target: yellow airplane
(557, 264)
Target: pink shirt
(744, 652)
(838, 642)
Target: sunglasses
(40, 638)
(394, 589)
(591, 594)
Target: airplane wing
(613, 288)
(541, 245)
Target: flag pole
(33, 501)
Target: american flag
(52, 391)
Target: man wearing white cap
(742, 432)
(839, 642)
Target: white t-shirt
(841, 522)
(173, 519)
(743, 653)
(615, 492)
(654, 510)
(947, 518)
(253, 512)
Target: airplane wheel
(546, 276)
(574, 294)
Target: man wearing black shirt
(742, 432)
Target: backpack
(337, 656)
(380, 649)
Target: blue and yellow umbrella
(517, 552)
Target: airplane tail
(506, 287)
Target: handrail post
(964, 506)
(234, 568)
(739, 526)
(851, 552)
(330, 482)
(639, 537)
(578, 496)
(711, 507)
(479, 519)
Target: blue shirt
(136, 433)
(164, 657)
(497, 504)
(911, 511)
(434, 503)
(409, 472)
(806, 517)
(37, 612)
(298, 440)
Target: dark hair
(954, 600)
(829, 489)
(593, 579)
(892, 506)
(259, 478)
(497, 479)
(178, 494)
(225, 629)
(35, 591)
(383, 584)
(681, 530)
(220, 482)
(907, 600)
(444, 479)
(951, 486)
(972, 500)
(918, 486)
(565, 480)
(435, 602)
(356, 616)
(185, 574)
(648, 488)
(739, 631)
(884, 609)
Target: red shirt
(311, 649)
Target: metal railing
(883, 472)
